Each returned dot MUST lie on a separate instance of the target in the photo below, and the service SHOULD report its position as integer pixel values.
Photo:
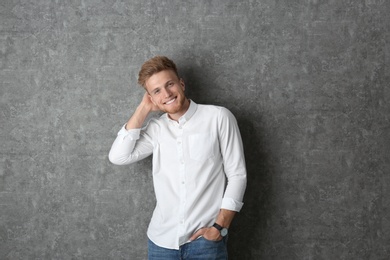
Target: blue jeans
(200, 248)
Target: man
(195, 148)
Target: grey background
(307, 80)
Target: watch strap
(217, 226)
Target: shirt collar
(188, 114)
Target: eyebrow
(154, 90)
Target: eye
(156, 91)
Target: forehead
(159, 79)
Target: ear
(151, 99)
(183, 86)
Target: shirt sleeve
(130, 146)
(233, 161)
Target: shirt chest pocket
(201, 146)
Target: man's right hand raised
(144, 108)
(148, 103)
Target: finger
(197, 234)
(212, 234)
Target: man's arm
(234, 167)
(122, 150)
(144, 108)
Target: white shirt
(192, 159)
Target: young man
(195, 148)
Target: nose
(167, 92)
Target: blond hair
(153, 66)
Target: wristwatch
(222, 230)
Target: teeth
(170, 101)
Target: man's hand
(144, 108)
(209, 233)
(224, 219)
(148, 103)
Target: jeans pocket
(208, 249)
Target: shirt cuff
(133, 134)
(231, 204)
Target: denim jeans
(200, 248)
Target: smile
(170, 101)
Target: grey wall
(307, 80)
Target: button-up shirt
(198, 168)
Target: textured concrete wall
(308, 81)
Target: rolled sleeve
(231, 204)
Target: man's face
(167, 93)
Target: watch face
(224, 232)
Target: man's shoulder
(213, 110)
(209, 107)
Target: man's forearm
(225, 217)
(138, 118)
(122, 149)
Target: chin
(172, 111)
